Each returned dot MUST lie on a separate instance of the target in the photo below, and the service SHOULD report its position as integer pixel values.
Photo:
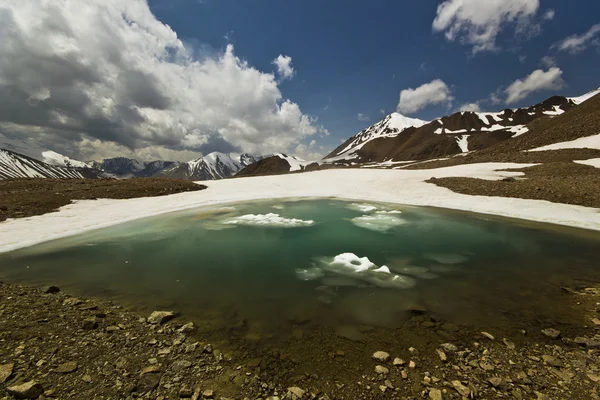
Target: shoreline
(79, 348)
(401, 187)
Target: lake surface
(256, 271)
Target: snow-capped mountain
(14, 165)
(399, 138)
(122, 167)
(39, 153)
(210, 167)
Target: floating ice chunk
(383, 269)
(279, 206)
(447, 258)
(268, 220)
(352, 262)
(362, 207)
(378, 222)
(384, 212)
(309, 274)
(416, 271)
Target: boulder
(27, 390)
(160, 317)
(6, 371)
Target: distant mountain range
(394, 140)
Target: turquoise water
(249, 269)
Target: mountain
(210, 167)
(399, 138)
(14, 165)
(122, 167)
(39, 153)
(276, 164)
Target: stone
(254, 363)
(461, 389)
(398, 361)
(295, 393)
(551, 333)
(67, 368)
(27, 390)
(509, 345)
(150, 370)
(382, 388)
(50, 289)
(6, 371)
(160, 317)
(89, 324)
(449, 347)
(207, 349)
(112, 328)
(416, 309)
(587, 342)
(186, 392)
(72, 301)
(147, 383)
(596, 321)
(86, 378)
(486, 366)
(488, 335)
(404, 374)
(381, 370)
(435, 394)
(180, 365)
(411, 364)
(187, 328)
(381, 356)
(495, 382)
(553, 361)
(441, 355)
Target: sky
(175, 79)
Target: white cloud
(548, 61)
(477, 23)
(536, 81)
(470, 107)
(284, 66)
(308, 153)
(109, 71)
(434, 92)
(362, 117)
(548, 15)
(578, 43)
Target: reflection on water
(252, 268)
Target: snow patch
(587, 142)
(594, 162)
(585, 97)
(463, 143)
(268, 220)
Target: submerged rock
(50, 289)
(160, 317)
(551, 333)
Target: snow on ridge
(13, 165)
(586, 142)
(580, 99)
(296, 164)
(594, 162)
(39, 153)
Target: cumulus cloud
(548, 61)
(477, 23)
(470, 107)
(536, 81)
(109, 72)
(434, 92)
(362, 117)
(578, 43)
(284, 66)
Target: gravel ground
(26, 197)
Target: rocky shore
(58, 346)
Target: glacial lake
(257, 271)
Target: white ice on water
(267, 220)
(362, 207)
(379, 222)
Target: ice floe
(268, 220)
(362, 207)
(380, 222)
(348, 269)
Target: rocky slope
(122, 167)
(275, 165)
(14, 165)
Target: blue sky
(176, 79)
(355, 57)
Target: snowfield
(392, 186)
(590, 142)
